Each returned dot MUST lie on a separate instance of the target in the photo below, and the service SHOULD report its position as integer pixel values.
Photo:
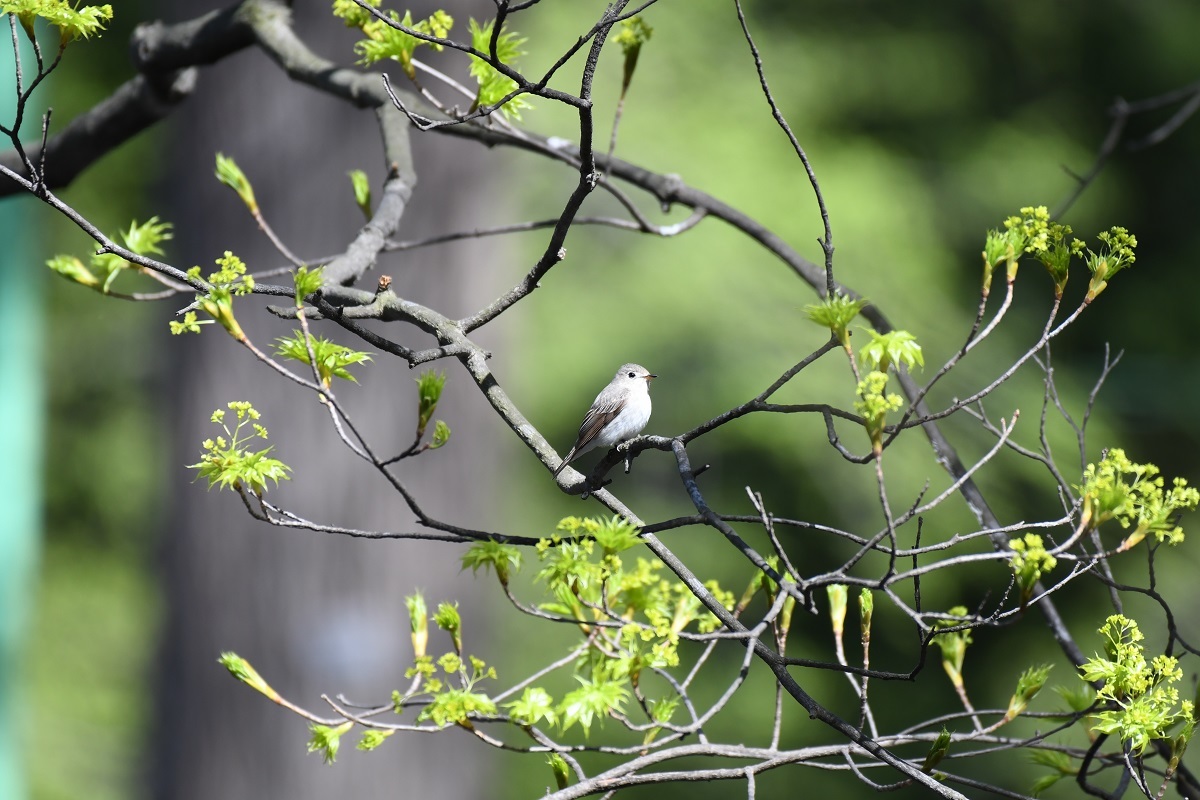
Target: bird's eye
(633, 374)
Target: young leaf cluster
(332, 359)
(326, 740)
(143, 239)
(72, 23)
(1028, 685)
(953, 644)
(307, 281)
(241, 669)
(1051, 243)
(385, 42)
(447, 685)
(1057, 761)
(1029, 563)
(494, 85)
(504, 559)
(836, 312)
(229, 281)
(634, 33)
(227, 461)
(361, 185)
(591, 581)
(351, 13)
(1056, 256)
(429, 391)
(886, 351)
(1114, 255)
(230, 174)
(874, 403)
(1144, 700)
(1135, 495)
(889, 350)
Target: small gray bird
(619, 413)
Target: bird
(617, 414)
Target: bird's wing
(597, 417)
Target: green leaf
(617, 534)
(661, 710)
(836, 313)
(1135, 496)
(229, 281)
(1054, 759)
(937, 751)
(534, 705)
(558, 765)
(306, 282)
(240, 668)
(230, 174)
(362, 191)
(386, 42)
(418, 620)
(1029, 563)
(327, 739)
(429, 391)
(228, 462)
(866, 609)
(1028, 685)
(354, 15)
(449, 620)
(73, 269)
(568, 566)
(189, 325)
(72, 23)
(1144, 692)
(890, 349)
(1030, 232)
(373, 738)
(874, 404)
(441, 435)
(110, 265)
(954, 643)
(1116, 253)
(838, 593)
(503, 558)
(633, 34)
(1045, 782)
(456, 706)
(1077, 700)
(589, 701)
(145, 239)
(332, 359)
(1056, 258)
(494, 85)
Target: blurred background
(927, 123)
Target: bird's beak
(650, 378)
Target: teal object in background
(21, 469)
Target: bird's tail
(565, 461)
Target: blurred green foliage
(88, 667)
(87, 674)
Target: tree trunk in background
(313, 613)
